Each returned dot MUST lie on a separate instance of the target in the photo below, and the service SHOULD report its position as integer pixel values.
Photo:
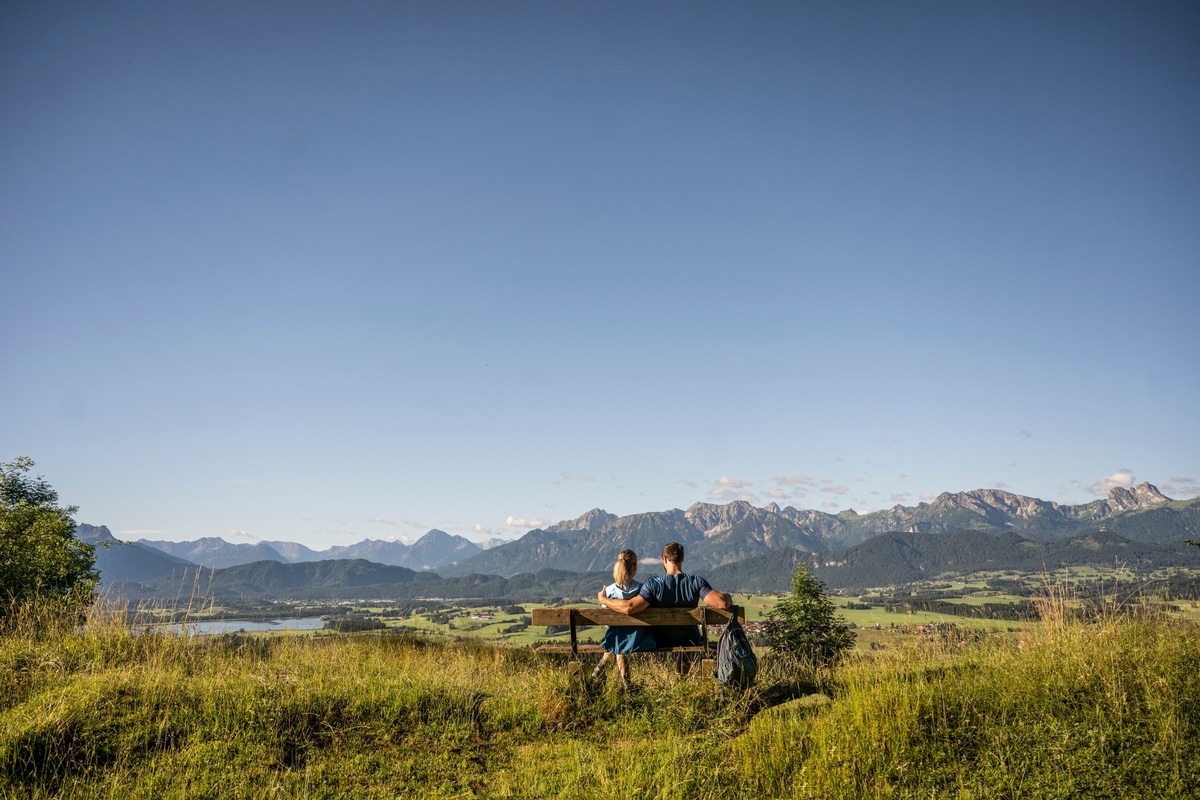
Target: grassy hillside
(1064, 710)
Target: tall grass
(1073, 709)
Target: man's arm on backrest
(630, 606)
(718, 600)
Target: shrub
(806, 626)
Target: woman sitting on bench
(619, 640)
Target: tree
(806, 625)
(40, 558)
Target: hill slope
(118, 561)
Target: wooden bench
(576, 618)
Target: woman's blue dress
(622, 639)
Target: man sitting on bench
(673, 590)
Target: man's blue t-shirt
(675, 591)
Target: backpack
(736, 663)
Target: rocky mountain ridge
(718, 534)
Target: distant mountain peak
(435, 535)
(93, 534)
(714, 519)
(213, 551)
(495, 541)
(1144, 495)
(593, 520)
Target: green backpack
(736, 663)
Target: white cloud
(520, 522)
(1121, 479)
(900, 498)
(236, 534)
(829, 504)
(927, 496)
(1179, 485)
(729, 494)
(382, 521)
(795, 480)
(343, 535)
(568, 477)
(486, 531)
(733, 483)
(413, 523)
(779, 494)
(838, 489)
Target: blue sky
(330, 271)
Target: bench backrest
(582, 617)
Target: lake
(240, 625)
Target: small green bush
(805, 625)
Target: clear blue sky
(329, 271)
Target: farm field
(881, 617)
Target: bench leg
(685, 663)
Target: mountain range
(889, 559)
(714, 535)
(731, 540)
(432, 550)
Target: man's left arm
(711, 596)
(630, 606)
(718, 600)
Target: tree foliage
(40, 558)
(805, 625)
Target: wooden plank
(648, 617)
(565, 649)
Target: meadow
(1108, 707)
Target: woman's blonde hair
(625, 568)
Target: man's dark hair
(673, 552)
